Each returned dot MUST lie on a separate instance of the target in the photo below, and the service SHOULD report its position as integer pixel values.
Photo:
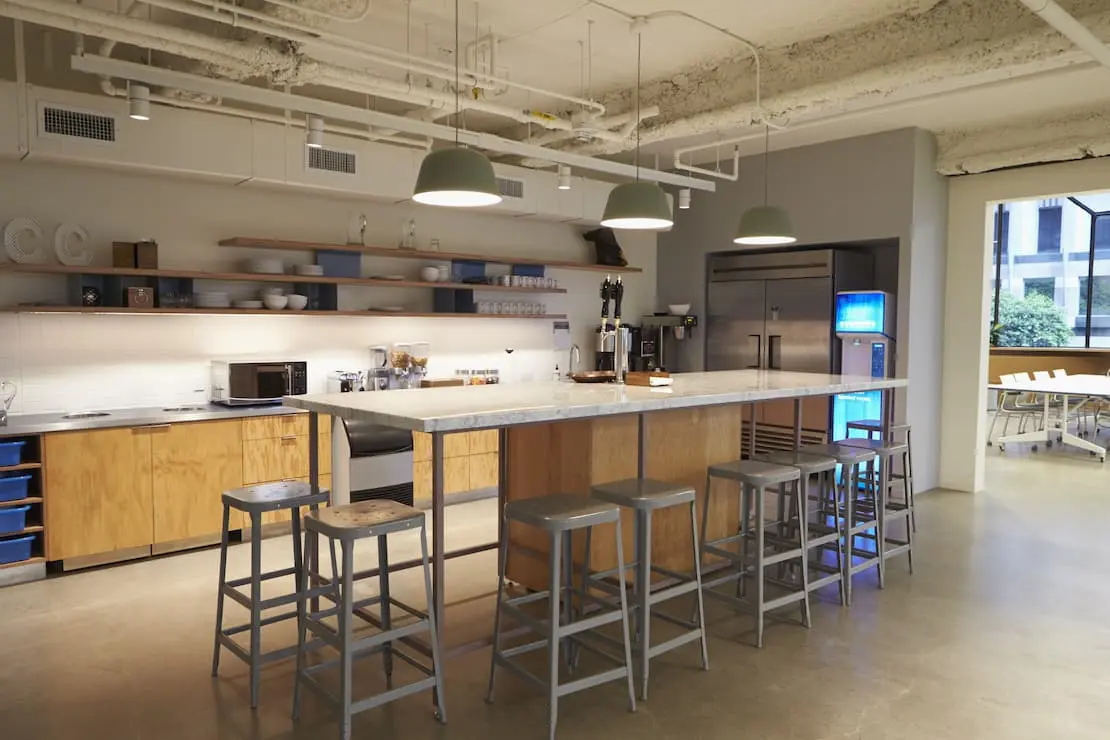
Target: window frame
(1001, 238)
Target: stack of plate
(247, 304)
(212, 299)
(309, 270)
(266, 266)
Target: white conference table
(1064, 388)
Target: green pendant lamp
(638, 205)
(456, 177)
(765, 225)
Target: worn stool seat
(645, 496)
(808, 463)
(255, 501)
(560, 515)
(375, 519)
(780, 542)
(644, 493)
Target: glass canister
(400, 357)
(419, 352)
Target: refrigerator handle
(774, 352)
(758, 351)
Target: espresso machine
(658, 335)
(379, 374)
(613, 340)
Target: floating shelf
(21, 466)
(51, 269)
(417, 254)
(267, 312)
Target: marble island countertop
(27, 424)
(483, 407)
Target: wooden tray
(593, 376)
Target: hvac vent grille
(332, 160)
(78, 124)
(510, 188)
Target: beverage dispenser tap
(620, 344)
(606, 296)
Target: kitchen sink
(180, 409)
(86, 415)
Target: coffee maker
(659, 335)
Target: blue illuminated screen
(860, 313)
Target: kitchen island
(564, 437)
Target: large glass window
(1051, 272)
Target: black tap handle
(618, 297)
(606, 295)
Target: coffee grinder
(379, 374)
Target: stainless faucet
(575, 359)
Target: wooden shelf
(21, 466)
(242, 241)
(21, 502)
(266, 312)
(30, 561)
(51, 269)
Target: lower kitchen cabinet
(273, 459)
(98, 485)
(483, 470)
(193, 464)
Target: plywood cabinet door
(483, 442)
(193, 465)
(421, 446)
(283, 425)
(483, 471)
(281, 458)
(422, 480)
(98, 491)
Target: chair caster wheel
(990, 444)
(1002, 448)
(438, 716)
(1047, 444)
(1034, 448)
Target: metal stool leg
(801, 498)
(554, 586)
(760, 514)
(220, 591)
(700, 619)
(880, 489)
(438, 696)
(387, 621)
(568, 585)
(624, 624)
(256, 607)
(502, 557)
(848, 482)
(346, 637)
(745, 529)
(643, 576)
(308, 575)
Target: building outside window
(1051, 267)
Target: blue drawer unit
(13, 519)
(13, 487)
(16, 550)
(11, 453)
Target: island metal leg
(797, 423)
(312, 542)
(439, 549)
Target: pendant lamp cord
(639, 51)
(458, 103)
(766, 161)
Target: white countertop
(490, 406)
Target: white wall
(65, 363)
(970, 201)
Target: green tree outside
(1033, 321)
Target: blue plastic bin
(13, 487)
(13, 519)
(15, 550)
(10, 452)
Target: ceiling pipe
(309, 37)
(308, 9)
(600, 128)
(268, 98)
(245, 59)
(1070, 28)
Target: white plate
(387, 309)
(389, 277)
(309, 270)
(247, 304)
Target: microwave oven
(257, 383)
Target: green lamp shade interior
(456, 178)
(638, 205)
(765, 225)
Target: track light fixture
(684, 199)
(314, 132)
(564, 177)
(138, 100)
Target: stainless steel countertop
(25, 424)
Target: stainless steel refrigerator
(774, 310)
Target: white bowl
(275, 302)
(429, 274)
(271, 290)
(312, 270)
(266, 266)
(679, 309)
(297, 302)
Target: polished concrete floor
(1001, 633)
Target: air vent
(78, 124)
(332, 160)
(510, 188)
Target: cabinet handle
(151, 427)
(290, 438)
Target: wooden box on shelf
(138, 255)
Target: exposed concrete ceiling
(998, 85)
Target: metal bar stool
(255, 501)
(824, 533)
(347, 525)
(900, 434)
(787, 543)
(858, 505)
(893, 509)
(560, 515)
(644, 496)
